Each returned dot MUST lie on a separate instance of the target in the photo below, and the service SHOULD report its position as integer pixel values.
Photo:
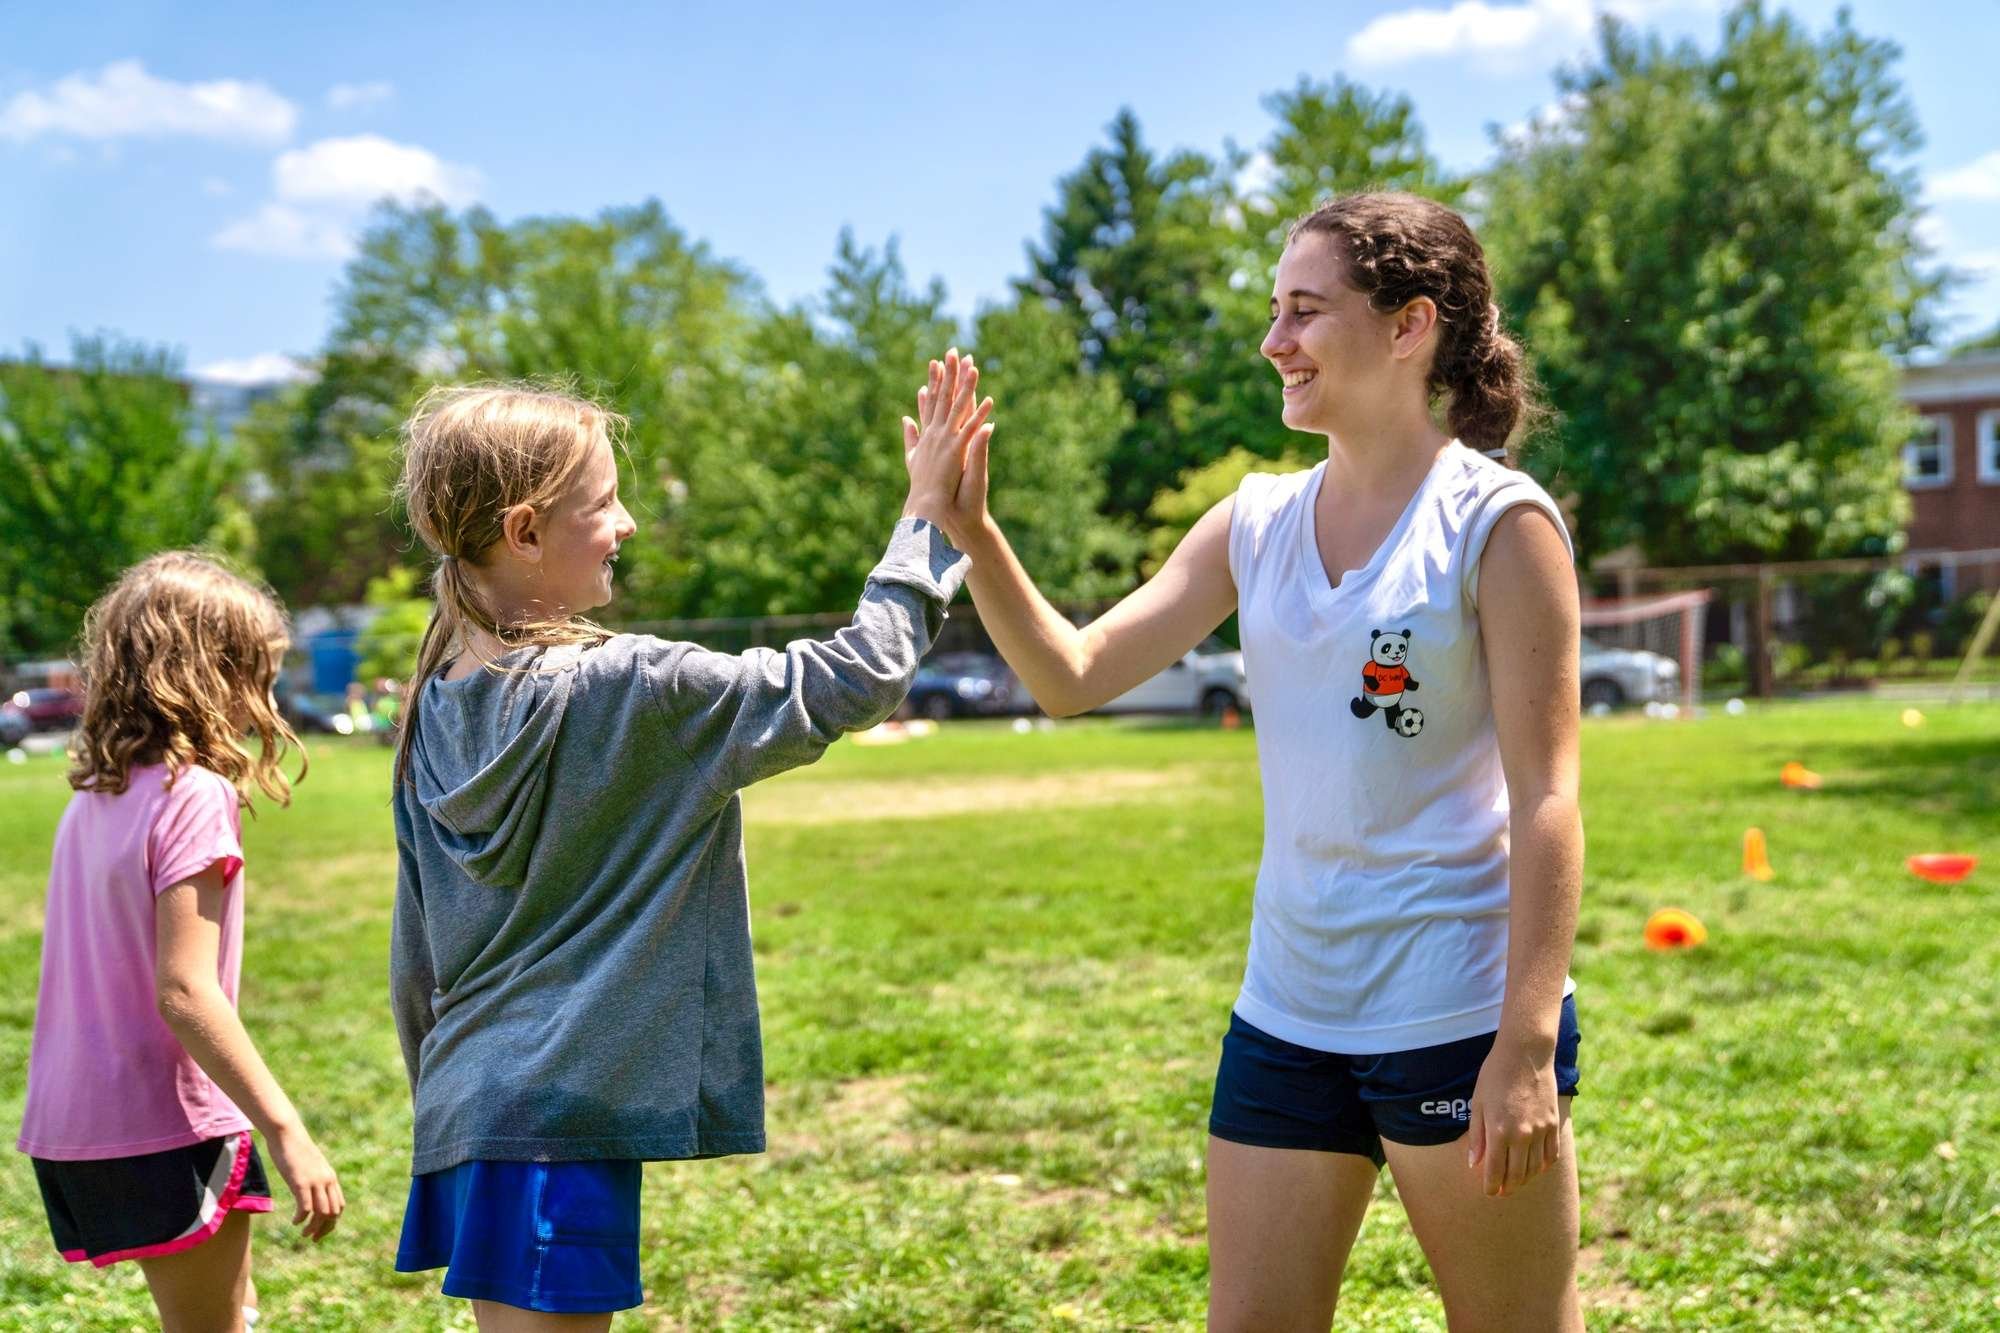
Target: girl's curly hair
(1397, 247)
(179, 659)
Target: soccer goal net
(1644, 650)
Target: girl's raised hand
(945, 449)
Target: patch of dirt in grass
(723, 1295)
(1603, 1289)
(1065, 1195)
(876, 1110)
(935, 798)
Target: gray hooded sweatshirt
(570, 959)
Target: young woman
(1409, 618)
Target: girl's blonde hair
(178, 658)
(470, 454)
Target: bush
(1727, 665)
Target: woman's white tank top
(1381, 910)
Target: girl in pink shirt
(143, 1086)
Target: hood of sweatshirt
(479, 758)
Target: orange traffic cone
(1797, 775)
(1756, 857)
(1672, 928)
(1232, 718)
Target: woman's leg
(1280, 1224)
(1501, 1263)
(204, 1289)
(498, 1317)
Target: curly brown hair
(179, 658)
(1398, 247)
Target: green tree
(623, 307)
(1130, 255)
(1055, 424)
(791, 515)
(105, 466)
(1712, 257)
(1175, 511)
(388, 646)
(1329, 139)
(1162, 267)
(1988, 341)
(1337, 138)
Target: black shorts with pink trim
(156, 1204)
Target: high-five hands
(945, 449)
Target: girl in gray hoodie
(570, 963)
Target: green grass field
(992, 1015)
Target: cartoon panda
(1384, 680)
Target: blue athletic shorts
(1270, 1093)
(556, 1236)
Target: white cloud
(123, 101)
(216, 187)
(263, 368)
(324, 189)
(284, 232)
(1978, 179)
(348, 96)
(1495, 34)
(365, 169)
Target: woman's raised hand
(945, 449)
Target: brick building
(1952, 468)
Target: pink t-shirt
(106, 1076)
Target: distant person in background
(358, 711)
(570, 965)
(1409, 622)
(385, 710)
(143, 1086)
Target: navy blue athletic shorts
(1270, 1093)
(556, 1236)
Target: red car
(46, 709)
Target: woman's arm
(1529, 625)
(1071, 670)
(187, 927)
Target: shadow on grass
(1957, 776)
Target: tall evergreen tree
(1130, 254)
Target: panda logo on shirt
(1385, 679)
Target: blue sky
(190, 175)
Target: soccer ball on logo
(1409, 722)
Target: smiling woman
(1405, 998)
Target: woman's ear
(521, 533)
(1414, 323)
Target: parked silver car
(1613, 677)
(1207, 680)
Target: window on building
(1987, 446)
(1927, 457)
